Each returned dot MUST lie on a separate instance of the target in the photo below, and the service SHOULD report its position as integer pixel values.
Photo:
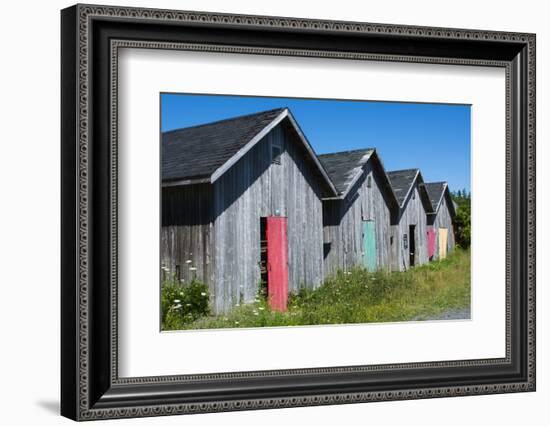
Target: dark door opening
(412, 244)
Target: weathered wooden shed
(409, 228)
(357, 222)
(441, 236)
(241, 205)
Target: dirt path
(452, 314)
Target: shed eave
(405, 200)
(184, 182)
(389, 186)
(440, 198)
(285, 114)
(312, 153)
(339, 197)
(241, 152)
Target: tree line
(462, 220)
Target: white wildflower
(203, 293)
(177, 306)
(188, 261)
(177, 301)
(237, 304)
(237, 322)
(192, 268)
(188, 304)
(261, 308)
(256, 313)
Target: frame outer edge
(81, 318)
(531, 207)
(69, 220)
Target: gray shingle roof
(343, 167)
(401, 181)
(435, 191)
(198, 151)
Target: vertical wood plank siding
(343, 224)
(186, 232)
(412, 214)
(252, 188)
(443, 219)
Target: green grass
(182, 304)
(360, 297)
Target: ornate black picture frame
(90, 37)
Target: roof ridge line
(348, 151)
(238, 117)
(404, 170)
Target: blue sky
(432, 137)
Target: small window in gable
(369, 181)
(275, 154)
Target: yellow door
(442, 243)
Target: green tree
(462, 220)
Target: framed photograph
(263, 212)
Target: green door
(369, 245)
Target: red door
(431, 242)
(277, 263)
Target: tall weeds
(358, 296)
